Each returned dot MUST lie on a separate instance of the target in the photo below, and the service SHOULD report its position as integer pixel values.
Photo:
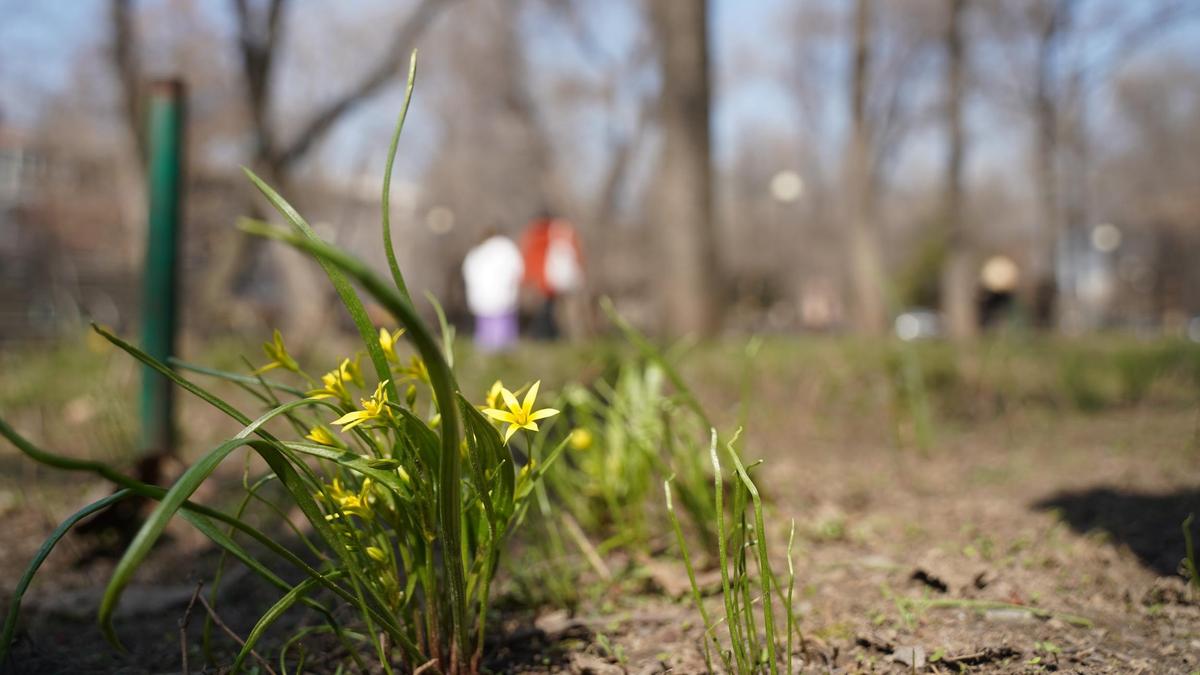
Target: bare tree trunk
(1046, 116)
(958, 282)
(131, 177)
(866, 260)
(684, 202)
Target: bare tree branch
(258, 45)
(379, 75)
(128, 71)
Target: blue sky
(40, 42)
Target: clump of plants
(626, 435)
(748, 639)
(408, 489)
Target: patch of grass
(749, 590)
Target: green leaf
(169, 373)
(352, 461)
(140, 547)
(481, 458)
(14, 606)
(298, 592)
(419, 434)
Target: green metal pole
(164, 188)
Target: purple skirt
(496, 332)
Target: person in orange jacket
(553, 268)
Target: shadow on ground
(1148, 523)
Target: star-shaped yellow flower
(347, 501)
(388, 341)
(279, 356)
(373, 408)
(335, 381)
(320, 434)
(519, 415)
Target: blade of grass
(791, 587)
(358, 313)
(444, 325)
(233, 377)
(291, 481)
(709, 627)
(764, 561)
(385, 201)
(723, 556)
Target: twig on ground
(986, 655)
(431, 663)
(183, 625)
(228, 631)
(586, 547)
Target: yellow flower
(320, 434)
(335, 381)
(388, 342)
(373, 408)
(416, 369)
(493, 395)
(346, 501)
(350, 372)
(279, 356)
(519, 415)
(581, 439)
(528, 469)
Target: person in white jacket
(492, 272)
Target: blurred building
(59, 260)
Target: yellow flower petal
(510, 400)
(530, 397)
(494, 393)
(502, 415)
(508, 433)
(543, 414)
(352, 419)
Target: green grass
(749, 585)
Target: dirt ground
(1037, 539)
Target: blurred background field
(830, 384)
